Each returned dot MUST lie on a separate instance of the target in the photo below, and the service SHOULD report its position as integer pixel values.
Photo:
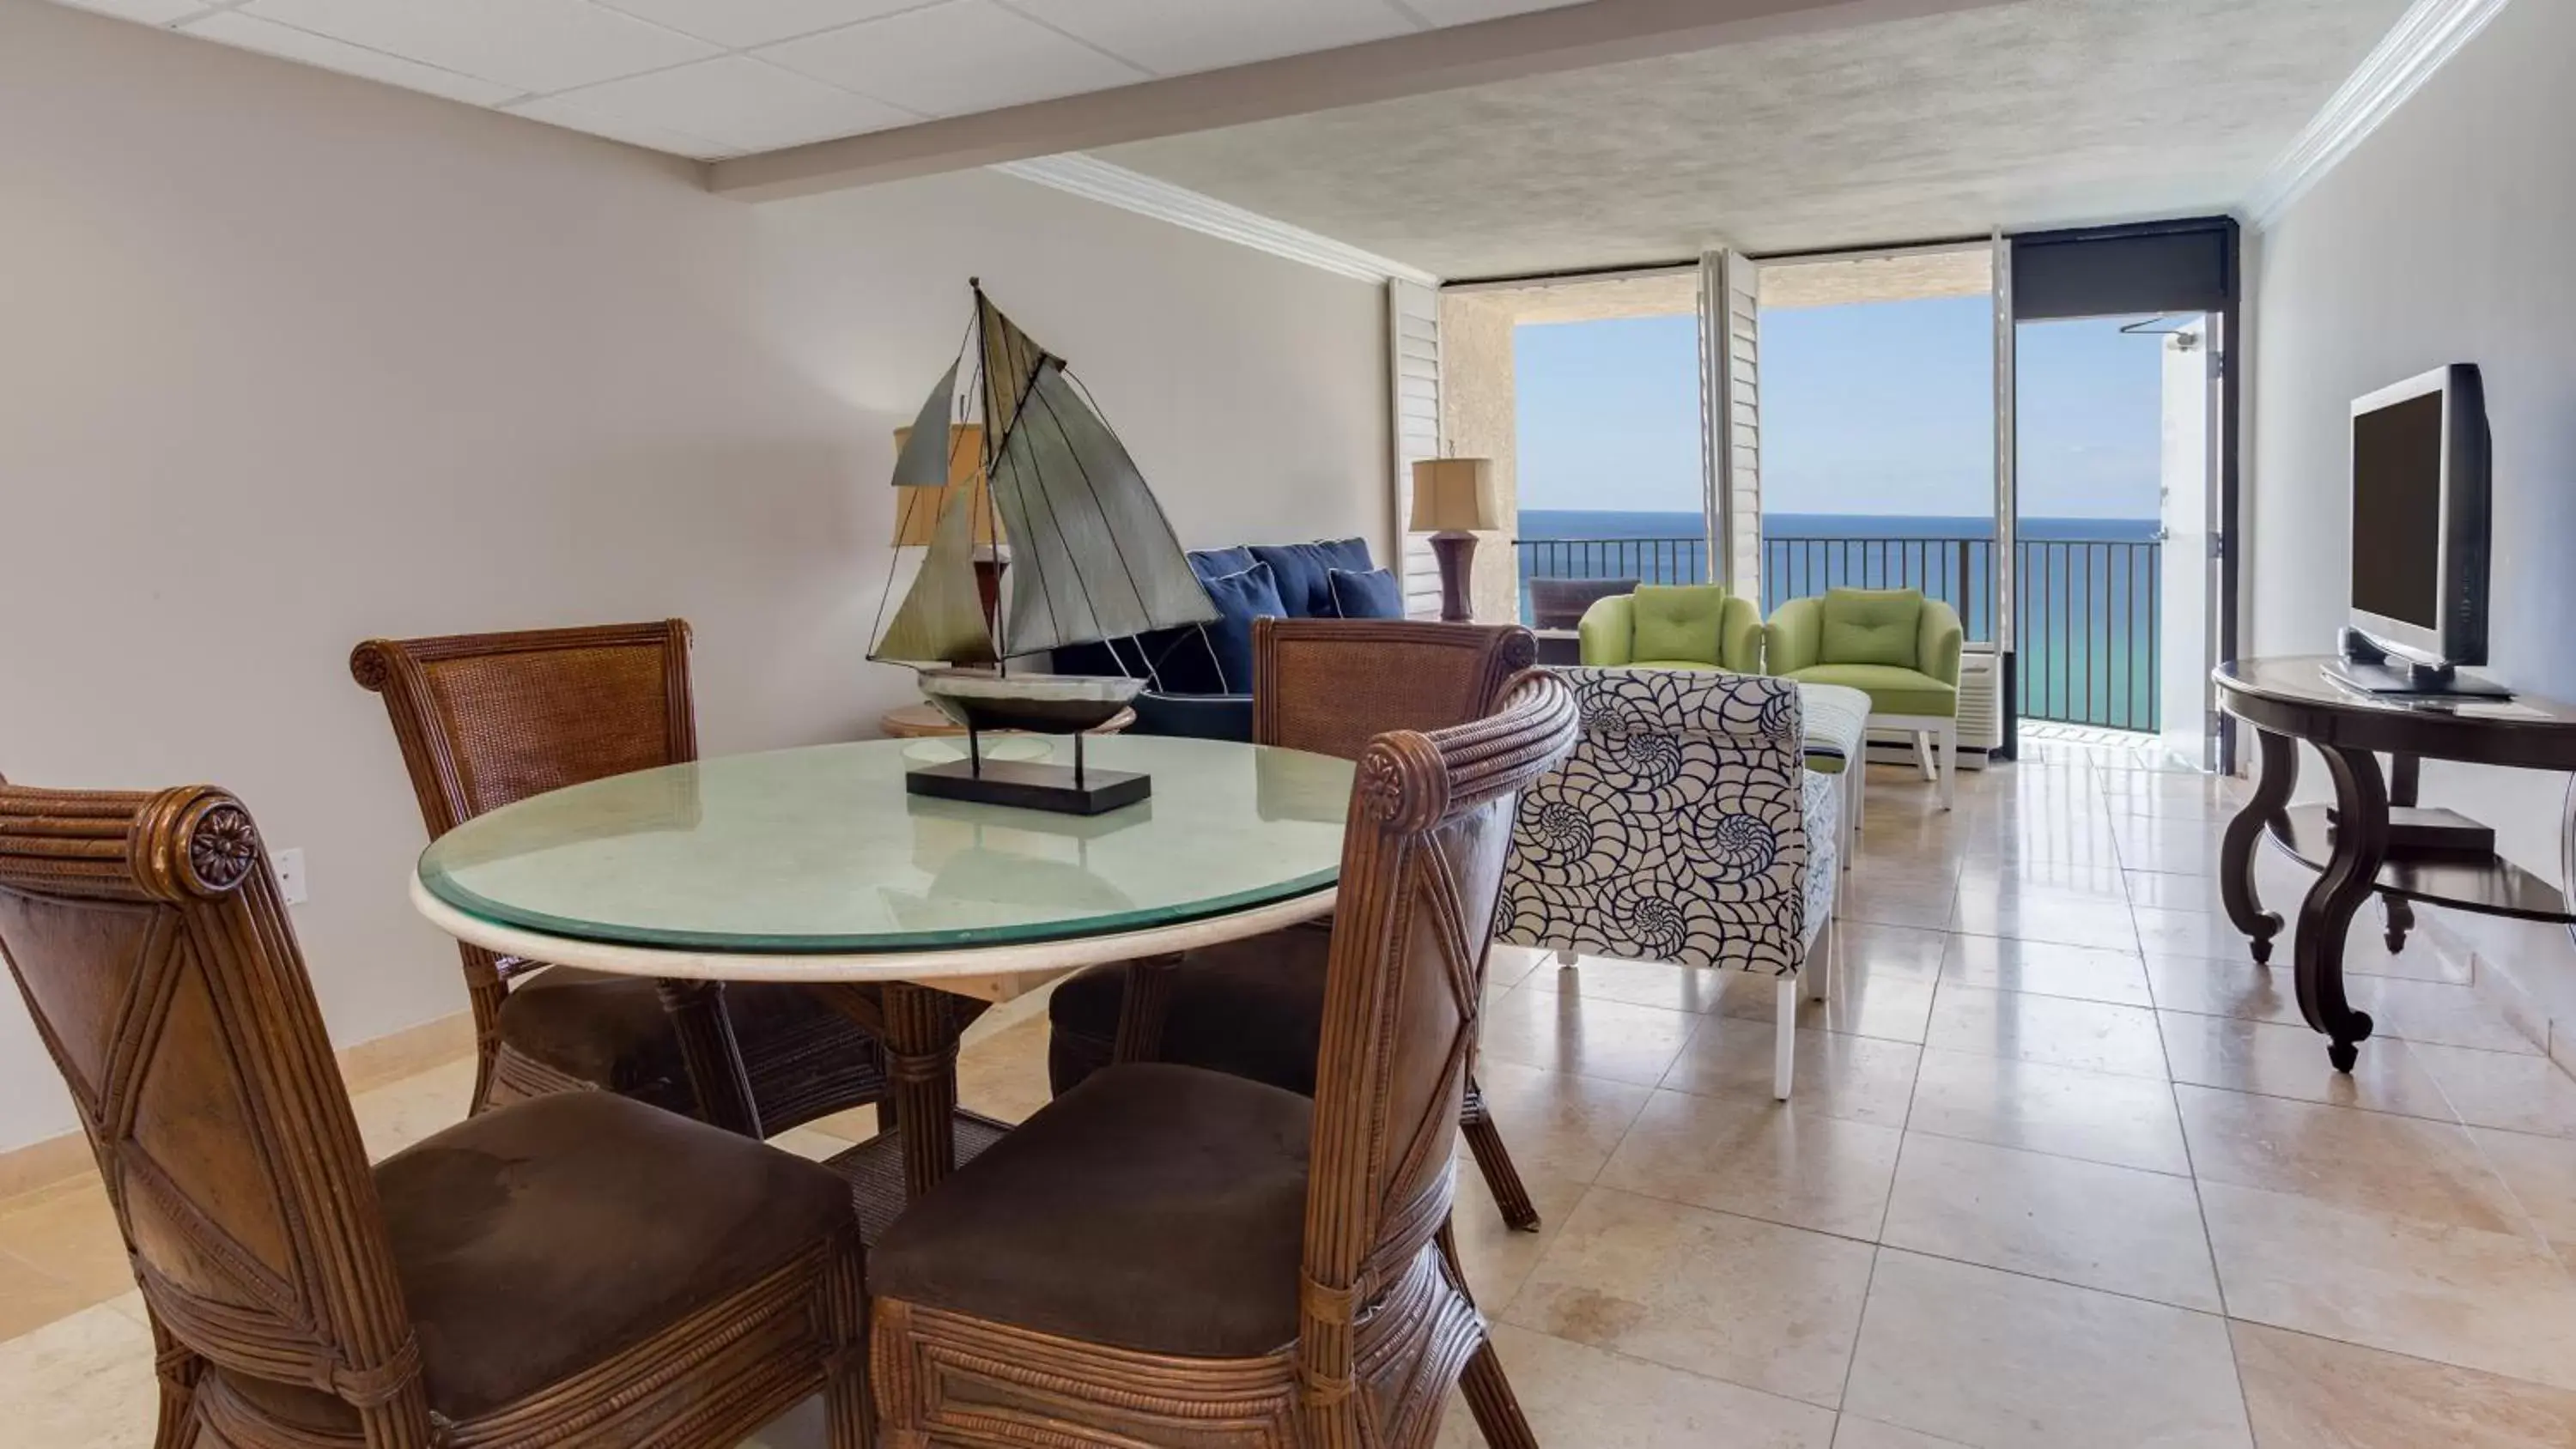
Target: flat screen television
(2419, 519)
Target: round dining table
(910, 914)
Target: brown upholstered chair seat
(536, 1238)
(613, 1030)
(1114, 1214)
(1252, 1008)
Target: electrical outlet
(290, 876)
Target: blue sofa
(1191, 693)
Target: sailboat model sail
(942, 618)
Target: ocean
(2089, 590)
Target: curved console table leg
(2405, 789)
(2350, 878)
(2280, 772)
(2401, 919)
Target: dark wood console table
(2295, 699)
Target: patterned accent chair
(1685, 828)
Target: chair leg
(1565, 958)
(1820, 963)
(1784, 1051)
(1923, 754)
(849, 1419)
(1501, 1177)
(1949, 764)
(1488, 1393)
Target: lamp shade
(1454, 494)
(917, 510)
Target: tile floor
(2062, 1170)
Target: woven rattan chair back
(1422, 867)
(1332, 685)
(147, 935)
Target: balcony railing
(2086, 648)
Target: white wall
(2445, 238)
(288, 360)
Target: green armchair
(1894, 645)
(1673, 626)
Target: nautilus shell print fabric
(1680, 830)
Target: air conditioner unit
(1981, 702)
(1981, 714)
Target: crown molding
(2423, 40)
(1144, 195)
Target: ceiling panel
(285, 41)
(150, 12)
(746, 104)
(1465, 12)
(534, 45)
(952, 58)
(741, 24)
(557, 112)
(1173, 37)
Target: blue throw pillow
(1239, 598)
(1216, 563)
(1370, 595)
(1304, 572)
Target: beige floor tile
(2437, 1013)
(2224, 988)
(1575, 1394)
(1556, 1124)
(2167, 931)
(2066, 920)
(2367, 953)
(2182, 841)
(1861, 897)
(1509, 966)
(1496, 1258)
(1004, 1076)
(2290, 1061)
(2007, 1362)
(82, 1381)
(1634, 983)
(2174, 890)
(1863, 1003)
(1761, 1159)
(2541, 1171)
(2314, 1393)
(2493, 1301)
(2115, 1228)
(395, 1116)
(809, 1144)
(1855, 1432)
(1753, 1303)
(2049, 880)
(1862, 1078)
(30, 1299)
(2091, 1035)
(1890, 953)
(2046, 968)
(2373, 1162)
(69, 1233)
(2097, 1116)
(1606, 1039)
(2498, 1089)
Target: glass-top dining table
(910, 914)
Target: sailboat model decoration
(1092, 559)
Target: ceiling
(719, 78)
(2039, 113)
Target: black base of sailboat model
(1065, 790)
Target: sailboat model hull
(1040, 704)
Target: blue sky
(1878, 408)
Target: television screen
(2397, 520)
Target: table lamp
(917, 510)
(1453, 498)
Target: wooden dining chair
(1255, 1007)
(488, 719)
(1171, 1255)
(580, 1269)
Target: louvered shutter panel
(1413, 378)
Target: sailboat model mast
(1093, 559)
